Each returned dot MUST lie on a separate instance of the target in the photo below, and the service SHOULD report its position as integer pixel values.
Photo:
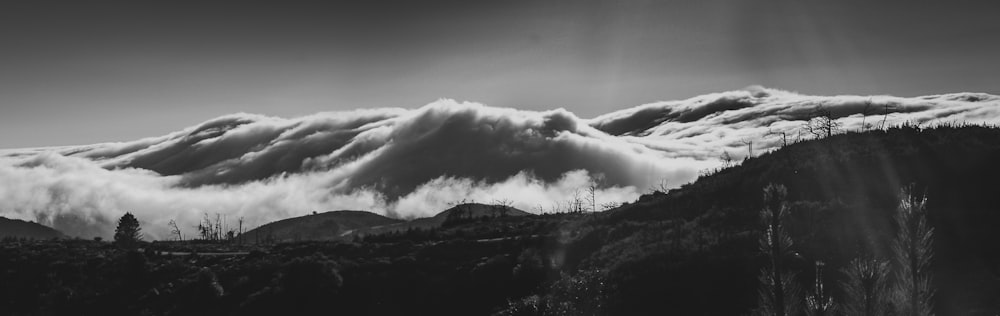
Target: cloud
(724, 120)
(523, 190)
(414, 162)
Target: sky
(77, 72)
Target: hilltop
(345, 225)
(323, 226)
(16, 228)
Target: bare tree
(885, 113)
(240, 221)
(661, 186)
(749, 143)
(784, 136)
(822, 124)
(503, 206)
(576, 203)
(176, 231)
(592, 196)
(205, 228)
(218, 226)
(864, 114)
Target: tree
(592, 196)
(176, 231)
(866, 287)
(912, 249)
(864, 114)
(749, 143)
(823, 124)
(727, 159)
(779, 295)
(819, 303)
(885, 113)
(127, 233)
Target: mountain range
(693, 249)
(410, 163)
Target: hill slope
(843, 191)
(459, 213)
(323, 226)
(22, 229)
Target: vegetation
(913, 250)
(834, 227)
(779, 295)
(127, 235)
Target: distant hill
(22, 229)
(459, 213)
(323, 226)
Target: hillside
(690, 251)
(412, 161)
(843, 191)
(21, 229)
(463, 213)
(323, 226)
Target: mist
(408, 163)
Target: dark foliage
(691, 251)
(127, 235)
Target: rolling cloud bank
(415, 162)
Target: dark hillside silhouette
(323, 226)
(458, 214)
(696, 250)
(843, 191)
(15, 228)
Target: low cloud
(409, 163)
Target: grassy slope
(692, 250)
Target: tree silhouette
(866, 287)
(779, 295)
(819, 302)
(127, 233)
(912, 293)
(823, 124)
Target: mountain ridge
(412, 162)
(15, 228)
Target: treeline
(900, 285)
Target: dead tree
(864, 114)
(503, 206)
(823, 124)
(592, 196)
(176, 231)
(749, 143)
(727, 159)
(885, 114)
(661, 186)
(240, 223)
(576, 204)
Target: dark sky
(78, 72)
